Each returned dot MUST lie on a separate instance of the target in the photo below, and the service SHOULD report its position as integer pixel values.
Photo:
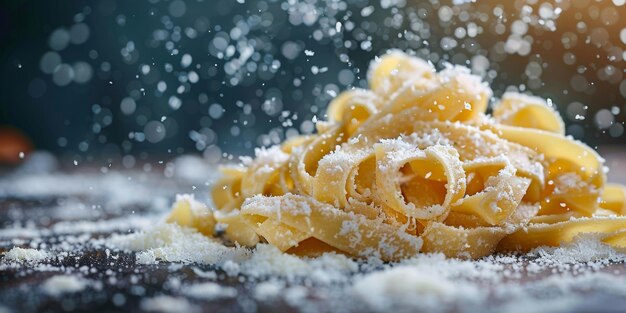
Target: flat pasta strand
(536, 235)
(345, 231)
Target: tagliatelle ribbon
(413, 165)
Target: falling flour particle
(62, 284)
(17, 254)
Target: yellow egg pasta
(529, 112)
(415, 164)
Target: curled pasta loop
(353, 108)
(304, 161)
(521, 110)
(435, 169)
(227, 190)
(498, 200)
(334, 171)
(387, 74)
(263, 172)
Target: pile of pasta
(414, 164)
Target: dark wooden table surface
(123, 283)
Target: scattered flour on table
(409, 286)
(61, 284)
(209, 291)
(80, 227)
(17, 254)
(120, 189)
(425, 282)
(585, 249)
(167, 304)
(268, 290)
(208, 274)
(172, 243)
(544, 280)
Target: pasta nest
(415, 164)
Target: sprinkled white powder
(431, 282)
(203, 274)
(245, 47)
(172, 243)
(167, 304)
(18, 254)
(410, 286)
(271, 155)
(209, 291)
(120, 190)
(425, 282)
(268, 290)
(80, 227)
(61, 284)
